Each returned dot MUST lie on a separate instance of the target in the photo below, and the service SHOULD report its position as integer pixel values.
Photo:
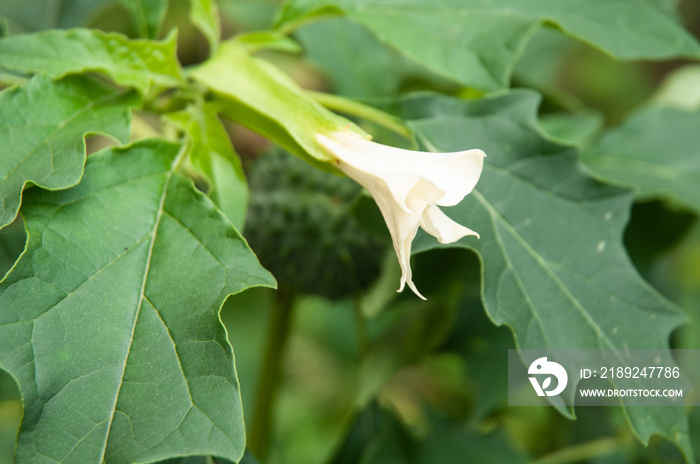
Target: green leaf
(577, 129)
(148, 16)
(258, 95)
(213, 154)
(477, 42)
(249, 15)
(654, 152)
(110, 320)
(268, 40)
(135, 63)
(554, 268)
(42, 129)
(542, 61)
(31, 15)
(205, 15)
(36, 15)
(357, 63)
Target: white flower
(408, 186)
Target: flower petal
(402, 224)
(455, 174)
(440, 226)
(407, 186)
(403, 252)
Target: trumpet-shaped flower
(408, 187)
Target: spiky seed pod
(299, 224)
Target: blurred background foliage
(369, 375)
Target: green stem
(583, 451)
(360, 328)
(8, 79)
(291, 26)
(278, 332)
(347, 106)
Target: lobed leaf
(553, 264)
(133, 63)
(477, 42)
(42, 129)
(110, 319)
(654, 152)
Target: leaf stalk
(278, 333)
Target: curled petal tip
(474, 151)
(440, 226)
(413, 288)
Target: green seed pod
(300, 226)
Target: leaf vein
(142, 292)
(545, 267)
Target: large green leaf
(478, 41)
(110, 319)
(256, 94)
(42, 128)
(37, 15)
(213, 154)
(554, 268)
(358, 65)
(136, 63)
(655, 152)
(148, 15)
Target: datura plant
(182, 179)
(406, 185)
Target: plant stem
(278, 332)
(291, 26)
(583, 451)
(9, 79)
(360, 327)
(345, 105)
